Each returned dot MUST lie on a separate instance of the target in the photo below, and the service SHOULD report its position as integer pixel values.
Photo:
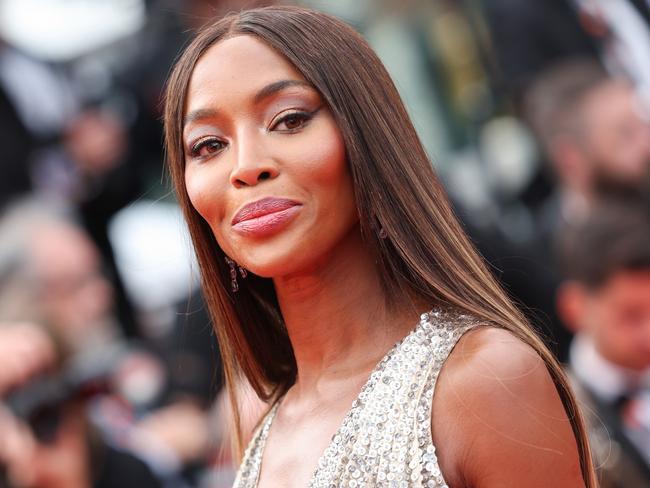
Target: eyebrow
(265, 92)
(277, 86)
(203, 113)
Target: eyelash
(304, 117)
(195, 150)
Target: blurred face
(73, 294)
(265, 162)
(617, 138)
(617, 316)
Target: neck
(336, 315)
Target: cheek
(325, 164)
(203, 195)
(614, 330)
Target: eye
(207, 146)
(292, 121)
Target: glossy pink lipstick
(265, 217)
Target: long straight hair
(426, 254)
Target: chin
(284, 259)
(267, 259)
(274, 266)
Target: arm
(498, 419)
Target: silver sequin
(385, 439)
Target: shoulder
(497, 417)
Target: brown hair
(615, 237)
(427, 254)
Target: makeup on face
(265, 217)
(283, 106)
(265, 161)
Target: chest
(293, 449)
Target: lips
(265, 216)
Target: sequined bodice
(385, 439)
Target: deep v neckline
(356, 404)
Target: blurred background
(536, 115)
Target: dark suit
(16, 146)
(618, 463)
(530, 36)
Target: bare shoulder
(497, 418)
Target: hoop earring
(233, 273)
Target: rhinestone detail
(385, 439)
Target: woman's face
(265, 162)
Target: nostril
(264, 175)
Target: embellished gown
(385, 439)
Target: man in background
(596, 143)
(51, 274)
(595, 137)
(605, 300)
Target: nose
(252, 163)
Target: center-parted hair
(426, 254)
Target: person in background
(26, 350)
(528, 38)
(605, 300)
(47, 440)
(51, 274)
(596, 142)
(595, 136)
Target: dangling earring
(379, 229)
(233, 273)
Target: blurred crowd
(536, 115)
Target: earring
(233, 273)
(379, 229)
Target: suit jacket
(16, 144)
(530, 36)
(617, 461)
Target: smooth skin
(255, 128)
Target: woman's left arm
(498, 420)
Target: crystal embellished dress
(385, 439)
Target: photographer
(50, 275)
(26, 351)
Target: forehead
(629, 284)
(236, 67)
(61, 249)
(614, 97)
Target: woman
(322, 234)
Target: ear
(570, 303)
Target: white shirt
(608, 382)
